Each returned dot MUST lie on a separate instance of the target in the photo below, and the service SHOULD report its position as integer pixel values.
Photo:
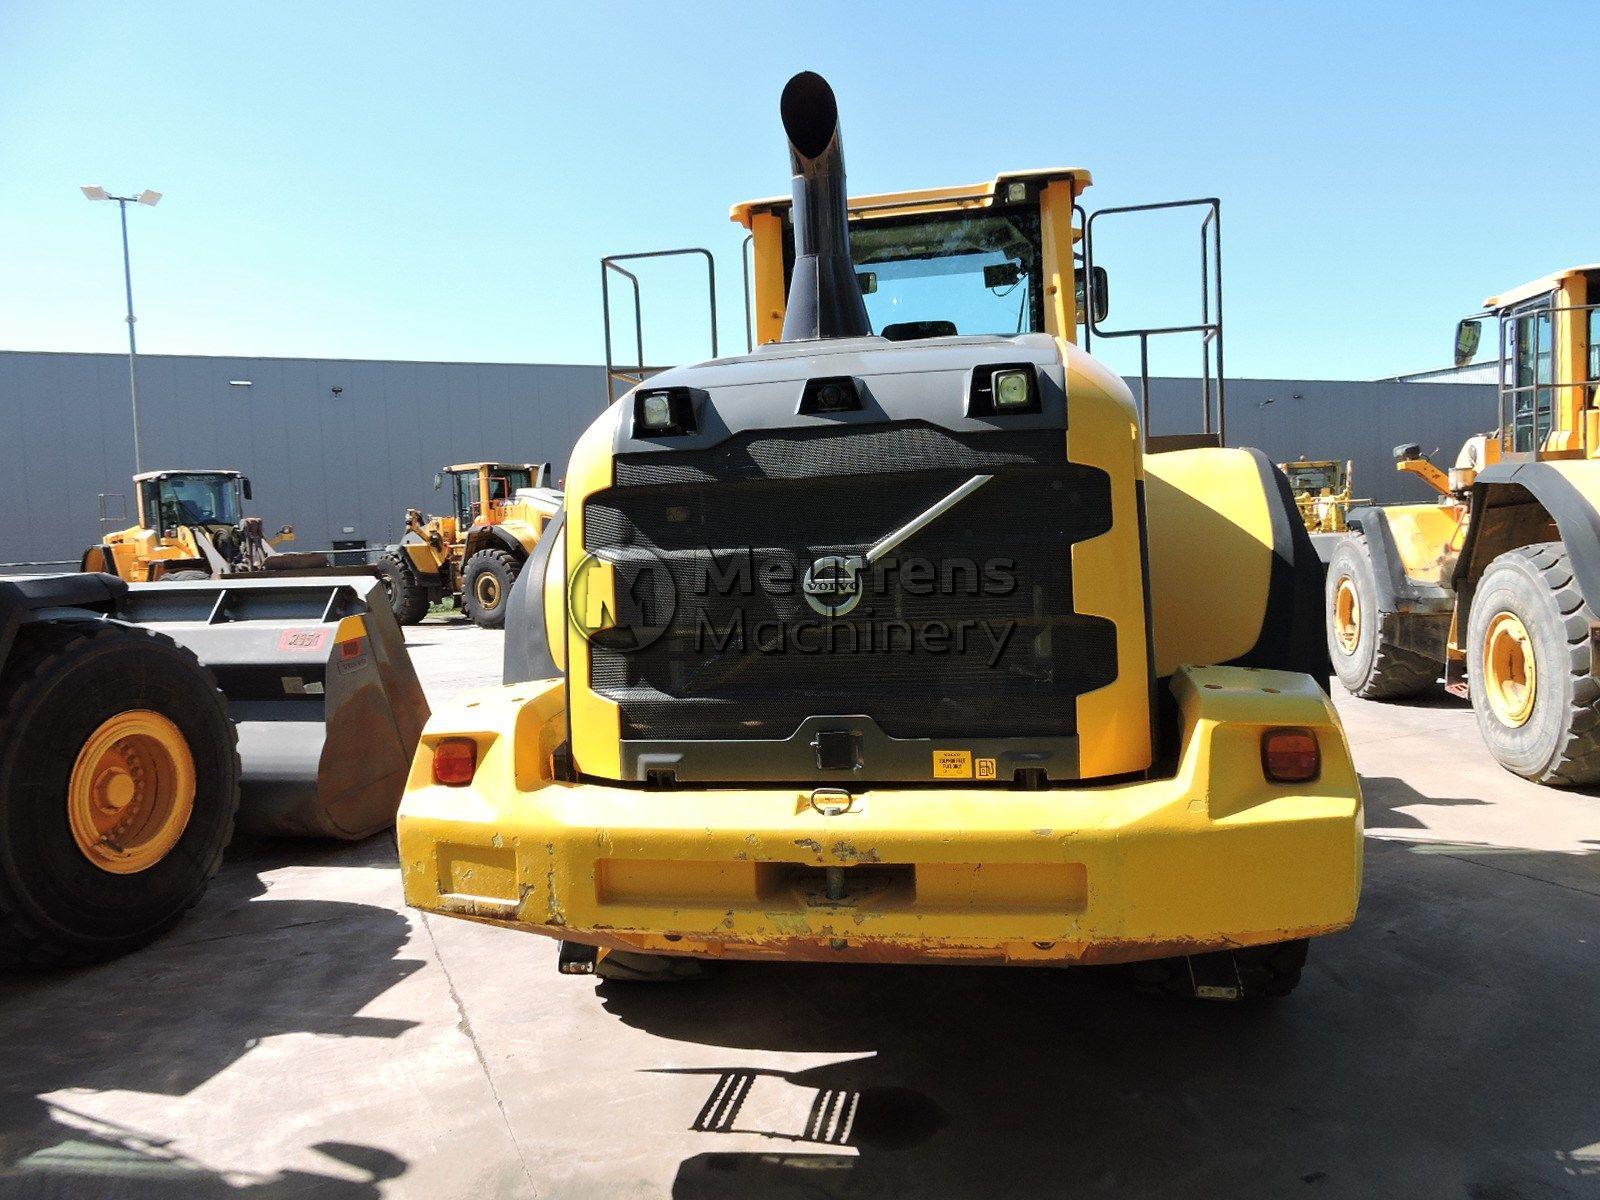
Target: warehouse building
(340, 448)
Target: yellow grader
(191, 525)
(474, 553)
(1497, 585)
(898, 646)
(140, 723)
(1321, 488)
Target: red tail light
(455, 761)
(1290, 755)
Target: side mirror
(1469, 333)
(1000, 275)
(868, 282)
(1099, 295)
(1409, 452)
(438, 480)
(246, 482)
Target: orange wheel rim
(1347, 615)
(131, 791)
(488, 591)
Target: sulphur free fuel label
(959, 764)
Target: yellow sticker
(952, 764)
(986, 768)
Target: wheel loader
(139, 724)
(1321, 488)
(889, 641)
(1496, 586)
(191, 525)
(473, 554)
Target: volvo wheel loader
(889, 642)
(140, 723)
(473, 554)
(1321, 488)
(191, 525)
(1496, 586)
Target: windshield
(503, 481)
(199, 500)
(1313, 477)
(960, 272)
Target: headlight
(1012, 390)
(658, 411)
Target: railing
(633, 376)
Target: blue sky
(439, 182)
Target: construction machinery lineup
(904, 646)
(191, 525)
(1497, 585)
(139, 722)
(472, 554)
(1321, 488)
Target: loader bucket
(320, 685)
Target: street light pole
(146, 197)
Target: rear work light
(1290, 756)
(455, 761)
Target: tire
(406, 595)
(628, 966)
(1267, 972)
(57, 906)
(1368, 665)
(175, 576)
(1558, 740)
(486, 586)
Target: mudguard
(527, 652)
(1568, 491)
(1397, 591)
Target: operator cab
(171, 499)
(471, 482)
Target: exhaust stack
(824, 296)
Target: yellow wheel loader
(897, 646)
(191, 525)
(1497, 585)
(474, 553)
(1321, 488)
(139, 724)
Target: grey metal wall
(1319, 418)
(343, 466)
(347, 466)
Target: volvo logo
(832, 585)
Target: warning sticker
(952, 764)
(986, 768)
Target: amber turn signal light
(455, 761)
(1290, 756)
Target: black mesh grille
(712, 547)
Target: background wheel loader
(1321, 488)
(1497, 586)
(191, 525)
(899, 646)
(474, 553)
(139, 724)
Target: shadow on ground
(242, 967)
(1442, 1047)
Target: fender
(1565, 492)
(527, 648)
(1397, 591)
(493, 536)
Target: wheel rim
(1347, 615)
(488, 589)
(131, 792)
(1510, 677)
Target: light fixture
(665, 412)
(240, 383)
(95, 192)
(149, 197)
(1016, 192)
(657, 411)
(1012, 390)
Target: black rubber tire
(628, 966)
(505, 567)
(1559, 743)
(175, 576)
(56, 907)
(406, 595)
(1375, 669)
(1267, 972)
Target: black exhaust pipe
(824, 295)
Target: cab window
(1533, 361)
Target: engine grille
(715, 638)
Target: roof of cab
(942, 199)
(1537, 287)
(148, 475)
(473, 466)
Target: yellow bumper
(1213, 857)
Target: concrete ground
(302, 1033)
